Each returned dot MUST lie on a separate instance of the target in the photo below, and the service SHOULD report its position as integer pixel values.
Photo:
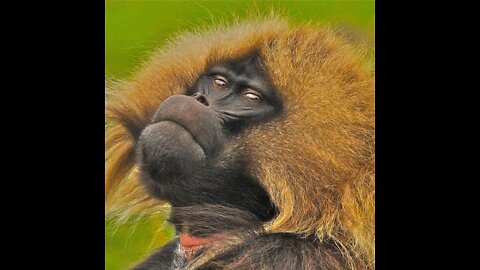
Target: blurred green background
(134, 28)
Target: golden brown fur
(316, 160)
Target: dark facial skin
(239, 91)
(181, 152)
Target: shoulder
(281, 251)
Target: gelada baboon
(260, 136)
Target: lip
(166, 151)
(187, 130)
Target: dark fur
(271, 252)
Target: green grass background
(134, 28)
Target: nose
(201, 98)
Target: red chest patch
(191, 244)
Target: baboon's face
(182, 153)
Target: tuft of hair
(316, 160)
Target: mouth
(194, 138)
(167, 150)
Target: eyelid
(254, 92)
(221, 77)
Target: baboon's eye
(220, 81)
(253, 95)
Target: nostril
(201, 98)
